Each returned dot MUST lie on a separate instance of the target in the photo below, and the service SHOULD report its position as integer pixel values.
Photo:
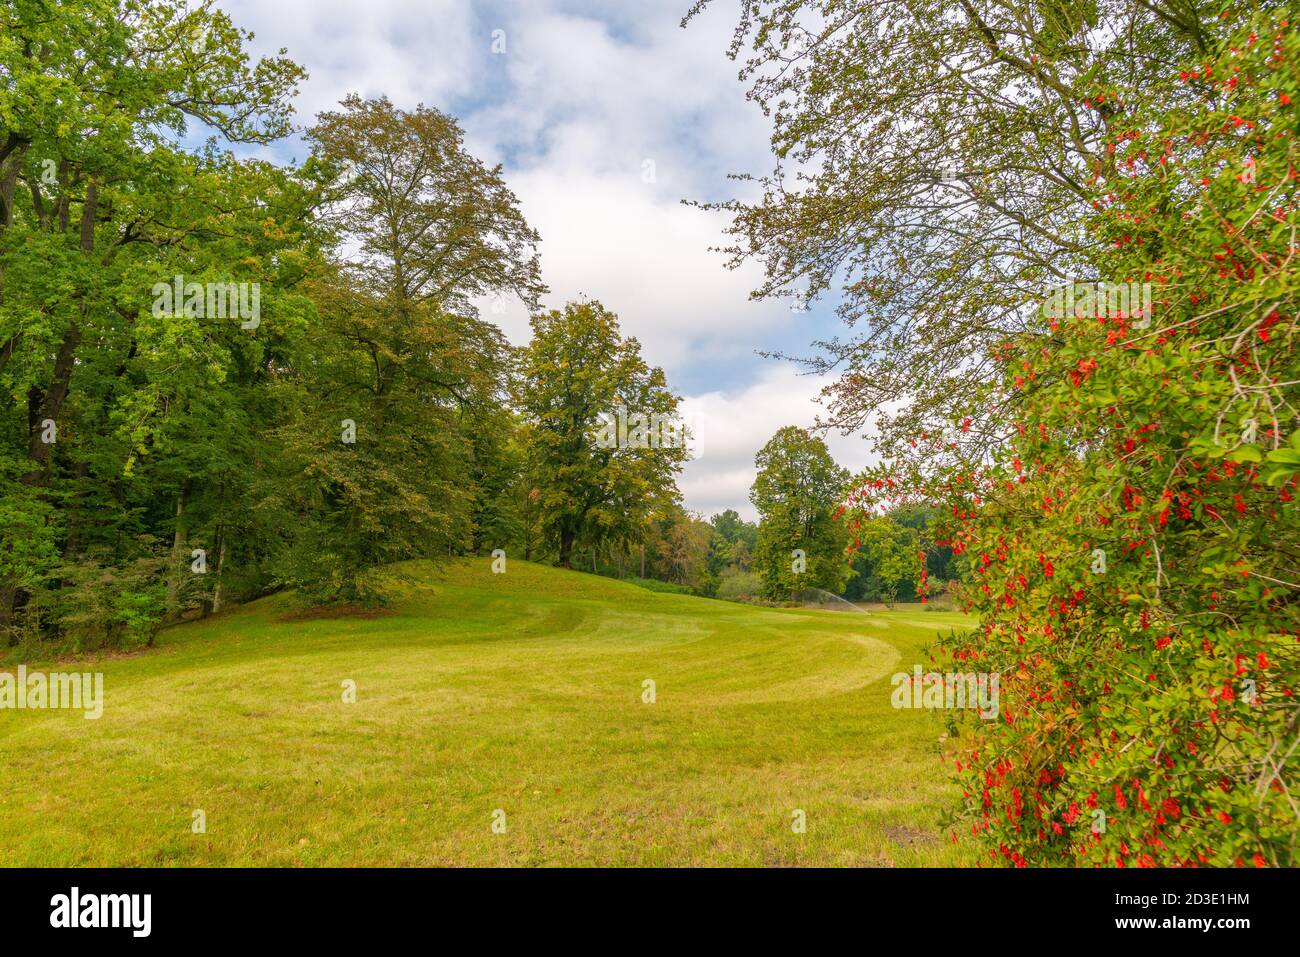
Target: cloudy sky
(605, 115)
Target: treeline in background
(227, 377)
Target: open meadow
(521, 693)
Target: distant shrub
(100, 606)
(736, 585)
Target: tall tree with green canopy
(733, 542)
(597, 486)
(399, 400)
(799, 493)
(96, 206)
(732, 528)
(426, 220)
(891, 550)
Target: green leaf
(1275, 475)
(1285, 457)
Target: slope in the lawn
(527, 692)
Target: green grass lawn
(520, 692)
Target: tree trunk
(643, 559)
(566, 547)
(221, 564)
(178, 544)
(46, 405)
(72, 547)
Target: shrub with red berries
(1133, 540)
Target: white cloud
(605, 135)
(585, 98)
(409, 50)
(616, 240)
(581, 115)
(730, 428)
(581, 96)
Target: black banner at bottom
(336, 907)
